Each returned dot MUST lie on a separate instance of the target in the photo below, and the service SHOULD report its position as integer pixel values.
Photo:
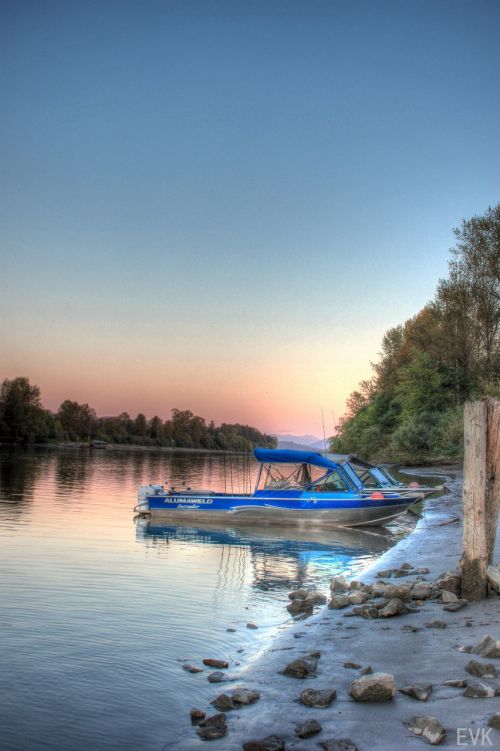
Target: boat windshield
(282, 476)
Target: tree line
(411, 409)
(23, 421)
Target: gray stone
(223, 703)
(271, 743)
(352, 665)
(339, 601)
(338, 744)
(421, 591)
(378, 588)
(479, 690)
(447, 597)
(453, 607)
(386, 573)
(395, 606)
(308, 728)
(456, 683)
(401, 591)
(451, 581)
(436, 624)
(320, 698)
(421, 570)
(303, 667)
(217, 677)
(466, 649)
(197, 715)
(373, 688)
(339, 584)
(300, 606)
(420, 691)
(190, 668)
(298, 594)
(360, 586)
(493, 577)
(230, 630)
(317, 598)
(481, 669)
(487, 647)
(215, 663)
(212, 728)
(358, 597)
(407, 566)
(365, 611)
(494, 721)
(244, 696)
(252, 625)
(366, 671)
(400, 572)
(428, 727)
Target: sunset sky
(222, 206)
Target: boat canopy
(287, 456)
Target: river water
(99, 611)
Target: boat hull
(250, 510)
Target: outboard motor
(142, 497)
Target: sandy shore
(427, 655)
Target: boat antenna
(324, 434)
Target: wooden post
(481, 496)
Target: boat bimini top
(286, 468)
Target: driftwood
(481, 493)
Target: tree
(22, 418)
(78, 421)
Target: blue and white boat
(297, 487)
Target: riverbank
(404, 646)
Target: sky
(222, 206)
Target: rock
(320, 698)
(452, 607)
(339, 584)
(395, 606)
(456, 683)
(298, 594)
(300, 606)
(365, 611)
(399, 573)
(451, 581)
(213, 727)
(407, 566)
(386, 574)
(197, 715)
(479, 690)
(215, 663)
(358, 597)
(420, 691)
(366, 671)
(481, 669)
(252, 625)
(360, 586)
(190, 668)
(465, 649)
(428, 727)
(308, 728)
(317, 598)
(217, 677)
(352, 665)
(421, 591)
(493, 577)
(230, 630)
(244, 696)
(338, 744)
(271, 743)
(339, 601)
(401, 591)
(374, 687)
(494, 721)
(411, 629)
(303, 667)
(421, 570)
(487, 647)
(223, 703)
(447, 597)
(436, 624)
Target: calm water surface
(98, 610)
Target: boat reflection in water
(279, 558)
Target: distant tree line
(23, 420)
(412, 407)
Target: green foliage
(412, 408)
(22, 418)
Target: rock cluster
(304, 600)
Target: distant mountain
(299, 442)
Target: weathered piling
(481, 493)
